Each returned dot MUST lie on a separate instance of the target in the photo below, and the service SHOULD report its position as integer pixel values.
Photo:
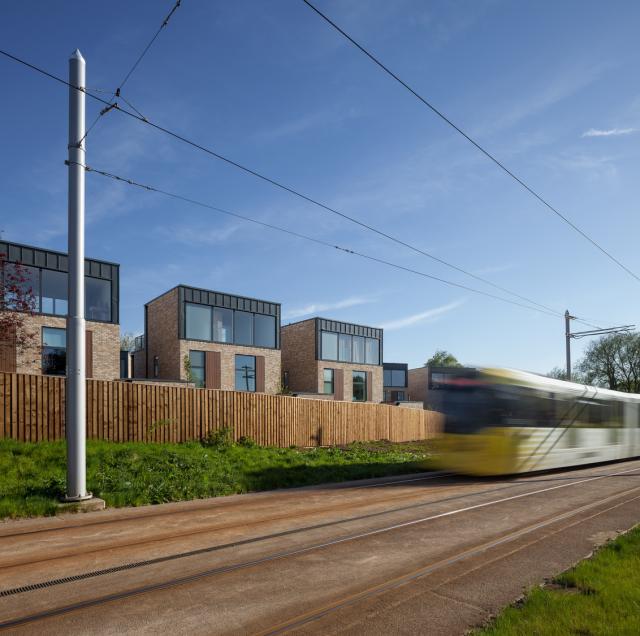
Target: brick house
(419, 384)
(217, 340)
(396, 381)
(331, 357)
(46, 272)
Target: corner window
(55, 292)
(265, 330)
(222, 324)
(329, 346)
(245, 373)
(327, 377)
(97, 299)
(359, 386)
(344, 347)
(197, 322)
(372, 352)
(196, 358)
(243, 326)
(54, 351)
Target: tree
(127, 342)
(17, 302)
(613, 362)
(559, 373)
(442, 358)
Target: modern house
(424, 382)
(43, 275)
(334, 358)
(396, 381)
(214, 339)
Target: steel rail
(304, 619)
(233, 544)
(305, 550)
(210, 505)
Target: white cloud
(315, 308)
(414, 319)
(612, 132)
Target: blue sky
(270, 85)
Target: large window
(347, 348)
(329, 343)
(219, 324)
(359, 386)
(265, 330)
(327, 377)
(97, 299)
(48, 291)
(395, 377)
(243, 325)
(198, 322)
(196, 358)
(344, 348)
(54, 351)
(55, 292)
(358, 349)
(245, 373)
(372, 351)
(222, 324)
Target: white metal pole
(76, 398)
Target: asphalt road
(419, 554)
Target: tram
(502, 422)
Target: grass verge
(32, 476)
(601, 595)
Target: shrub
(219, 438)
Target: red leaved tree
(17, 303)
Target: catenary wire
(117, 92)
(485, 152)
(315, 202)
(306, 237)
(543, 309)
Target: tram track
(371, 592)
(216, 527)
(224, 505)
(211, 572)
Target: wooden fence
(32, 408)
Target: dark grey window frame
(332, 381)
(235, 373)
(323, 325)
(50, 260)
(44, 347)
(362, 374)
(219, 300)
(203, 366)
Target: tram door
(632, 428)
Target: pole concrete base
(84, 504)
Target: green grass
(32, 476)
(601, 595)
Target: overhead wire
(179, 197)
(118, 92)
(483, 150)
(536, 306)
(315, 202)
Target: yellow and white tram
(499, 421)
